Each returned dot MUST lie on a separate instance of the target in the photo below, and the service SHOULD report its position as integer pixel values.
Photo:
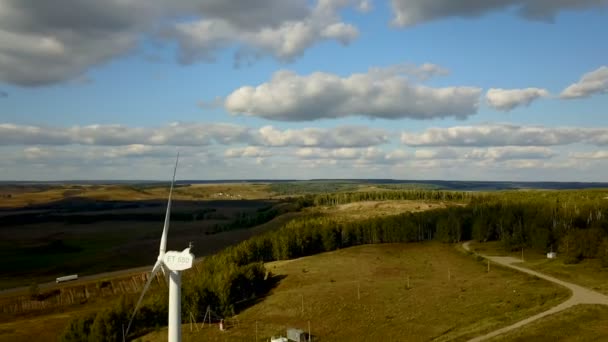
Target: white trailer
(66, 278)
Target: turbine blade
(155, 269)
(165, 273)
(163, 239)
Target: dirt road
(84, 279)
(81, 280)
(580, 295)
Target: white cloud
(344, 33)
(413, 12)
(133, 150)
(344, 136)
(491, 154)
(380, 93)
(177, 134)
(505, 134)
(594, 82)
(524, 164)
(370, 153)
(191, 134)
(41, 42)
(397, 155)
(510, 153)
(436, 154)
(249, 152)
(85, 154)
(285, 39)
(590, 155)
(507, 99)
(216, 162)
(370, 157)
(455, 155)
(35, 152)
(365, 6)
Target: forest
(574, 222)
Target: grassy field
(579, 323)
(14, 196)
(362, 294)
(45, 328)
(368, 209)
(588, 273)
(86, 237)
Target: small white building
(551, 255)
(279, 339)
(296, 335)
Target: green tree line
(415, 194)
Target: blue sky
(304, 89)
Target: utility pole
(309, 335)
(302, 303)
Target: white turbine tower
(172, 263)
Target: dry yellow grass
(367, 209)
(232, 191)
(44, 328)
(470, 303)
(581, 323)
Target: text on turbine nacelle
(178, 261)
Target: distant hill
(347, 183)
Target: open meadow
(582, 323)
(362, 294)
(370, 209)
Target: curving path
(580, 295)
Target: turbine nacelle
(178, 261)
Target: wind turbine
(170, 263)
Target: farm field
(434, 307)
(53, 230)
(579, 323)
(41, 252)
(18, 195)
